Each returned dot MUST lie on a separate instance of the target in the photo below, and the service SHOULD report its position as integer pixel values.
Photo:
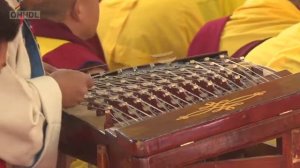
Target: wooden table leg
(102, 157)
(296, 148)
(287, 149)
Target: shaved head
(80, 16)
(50, 9)
(9, 27)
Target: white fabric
(26, 107)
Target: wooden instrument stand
(285, 127)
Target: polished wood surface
(180, 139)
(281, 96)
(229, 141)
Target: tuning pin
(175, 101)
(153, 75)
(134, 69)
(186, 82)
(224, 80)
(192, 61)
(172, 85)
(234, 66)
(152, 97)
(101, 92)
(189, 98)
(195, 87)
(237, 80)
(216, 75)
(161, 105)
(146, 108)
(115, 97)
(197, 66)
(181, 90)
(117, 89)
(157, 88)
(132, 111)
(166, 94)
(99, 101)
(182, 69)
(143, 91)
(229, 73)
(152, 66)
(163, 81)
(180, 78)
(138, 100)
(89, 95)
(237, 77)
(128, 94)
(132, 86)
(210, 83)
(194, 75)
(222, 69)
(147, 84)
(123, 104)
(222, 56)
(168, 72)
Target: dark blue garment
(33, 51)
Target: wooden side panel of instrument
(165, 132)
(230, 141)
(80, 139)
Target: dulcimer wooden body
(184, 113)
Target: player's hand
(73, 84)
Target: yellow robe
(256, 20)
(213, 9)
(281, 52)
(135, 32)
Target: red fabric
(48, 28)
(207, 40)
(72, 56)
(76, 54)
(95, 44)
(2, 164)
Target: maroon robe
(2, 164)
(76, 54)
(208, 39)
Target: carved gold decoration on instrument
(223, 105)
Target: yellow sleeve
(277, 54)
(263, 53)
(287, 60)
(280, 52)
